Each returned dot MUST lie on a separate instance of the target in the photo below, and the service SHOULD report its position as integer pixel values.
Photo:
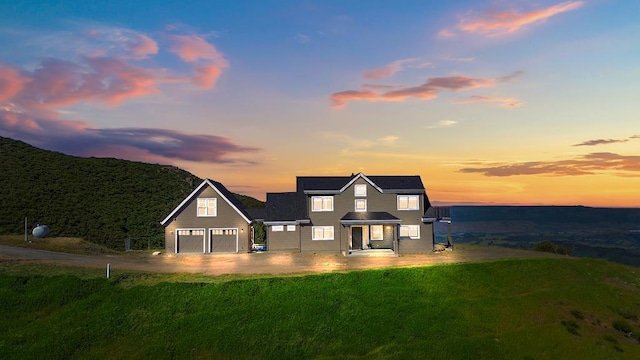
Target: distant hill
(102, 200)
(607, 233)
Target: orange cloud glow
(504, 102)
(387, 70)
(510, 21)
(427, 91)
(589, 164)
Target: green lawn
(515, 309)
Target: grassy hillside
(518, 309)
(101, 200)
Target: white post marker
(108, 270)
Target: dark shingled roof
(438, 212)
(369, 216)
(321, 182)
(232, 198)
(289, 206)
(257, 214)
(411, 182)
(335, 183)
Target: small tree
(259, 234)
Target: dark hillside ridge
(102, 200)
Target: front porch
(370, 233)
(373, 253)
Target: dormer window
(360, 190)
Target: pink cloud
(339, 99)
(191, 48)
(387, 70)
(504, 102)
(143, 46)
(590, 164)
(195, 49)
(509, 21)
(207, 75)
(11, 83)
(57, 83)
(445, 34)
(427, 91)
(31, 101)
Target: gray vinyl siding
(288, 241)
(227, 217)
(321, 246)
(376, 202)
(417, 246)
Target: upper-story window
(360, 190)
(361, 205)
(322, 203)
(207, 207)
(408, 202)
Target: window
(410, 231)
(322, 232)
(291, 228)
(360, 190)
(277, 228)
(224, 231)
(376, 232)
(191, 232)
(207, 207)
(361, 205)
(408, 202)
(322, 203)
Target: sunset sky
(491, 102)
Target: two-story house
(349, 214)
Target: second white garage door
(223, 240)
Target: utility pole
(26, 232)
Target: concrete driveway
(261, 263)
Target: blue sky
(492, 102)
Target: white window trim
(415, 228)
(324, 232)
(417, 197)
(277, 228)
(355, 205)
(291, 228)
(360, 186)
(206, 207)
(371, 233)
(324, 198)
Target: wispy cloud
(33, 101)
(442, 124)
(504, 102)
(302, 38)
(394, 67)
(590, 164)
(387, 70)
(499, 23)
(601, 142)
(427, 91)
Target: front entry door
(356, 238)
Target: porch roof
(368, 217)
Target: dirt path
(262, 263)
